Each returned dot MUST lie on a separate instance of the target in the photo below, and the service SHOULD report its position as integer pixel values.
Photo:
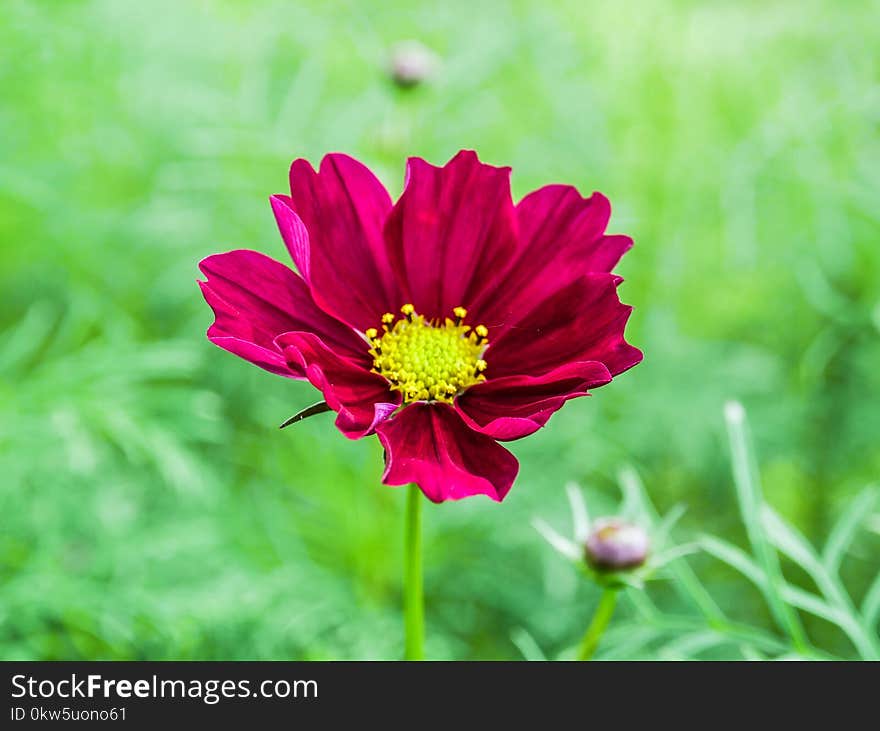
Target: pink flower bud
(411, 63)
(614, 545)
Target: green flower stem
(597, 627)
(413, 595)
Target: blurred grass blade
(871, 604)
(791, 543)
(796, 547)
(661, 559)
(22, 342)
(738, 633)
(750, 499)
(660, 534)
(686, 582)
(817, 606)
(689, 646)
(566, 547)
(740, 561)
(579, 515)
(527, 645)
(629, 641)
(845, 529)
(642, 603)
(736, 558)
(634, 505)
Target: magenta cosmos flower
(444, 323)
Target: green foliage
(150, 507)
(706, 629)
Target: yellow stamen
(371, 333)
(429, 360)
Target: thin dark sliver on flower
(443, 323)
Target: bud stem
(599, 623)
(413, 595)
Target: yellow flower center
(427, 360)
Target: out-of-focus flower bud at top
(615, 545)
(411, 63)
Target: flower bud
(615, 545)
(411, 63)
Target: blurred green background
(149, 506)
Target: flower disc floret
(428, 360)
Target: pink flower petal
(430, 445)
(294, 233)
(451, 233)
(562, 237)
(516, 406)
(343, 207)
(361, 399)
(566, 229)
(226, 319)
(583, 321)
(255, 299)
